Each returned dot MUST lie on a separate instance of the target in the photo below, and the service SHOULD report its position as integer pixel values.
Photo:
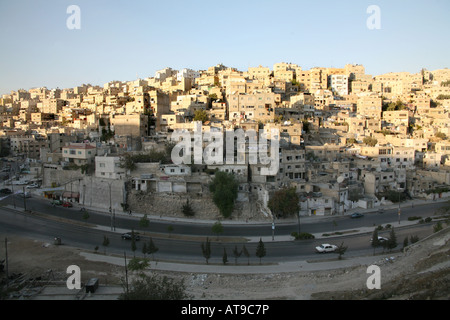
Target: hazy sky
(121, 39)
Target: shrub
(437, 227)
(414, 239)
(302, 235)
(138, 264)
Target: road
(187, 249)
(195, 228)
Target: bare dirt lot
(422, 272)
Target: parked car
(325, 247)
(128, 236)
(356, 215)
(380, 239)
(5, 191)
(57, 202)
(32, 186)
(67, 204)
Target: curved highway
(184, 243)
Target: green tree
(284, 203)
(206, 250)
(225, 256)
(144, 222)
(217, 228)
(236, 254)
(260, 250)
(127, 162)
(136, 264)
(152, 248)
(405, 243)
(437, 227)
(201, 115)
(370, 141)
(155, 287)
(187, 209)
(224, 188)
(392, 242)
(170, 230)
(144, 249)
(105, 242)
(341, 250)
(133, 242)
(246, 253)
(85, 215)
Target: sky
(126, 40)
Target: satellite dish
(340, 179)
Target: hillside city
(347, 139)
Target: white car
(323, 248)
(380, 239)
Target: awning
(68, 194)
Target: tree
(152, 248)
(155, 287)
(127, 162)
(405, 243)
(217, 228)
(170, 230)
(206, 249)
(187, 209)
(224, 188)
(133, 243)
(341, 250)
(246, 253)
(375, 242)
(85, 215)
(105, 242)
(136, 264)
(225, 256)
(437, 227)
(370, 141)
(236, 254)
(144, 222)
(144, 249)
(201, 115)
(284, 203)
(392, 242)
(260, 250)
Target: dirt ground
(422, 272)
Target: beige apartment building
(134, 125)
(51, 105)
(339, 84)
(259, 73)
(369, 106)
(399, 119)
(79, 154)
(258, 106)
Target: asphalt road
(232, 230)
(189, 250)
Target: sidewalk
(242, 268)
